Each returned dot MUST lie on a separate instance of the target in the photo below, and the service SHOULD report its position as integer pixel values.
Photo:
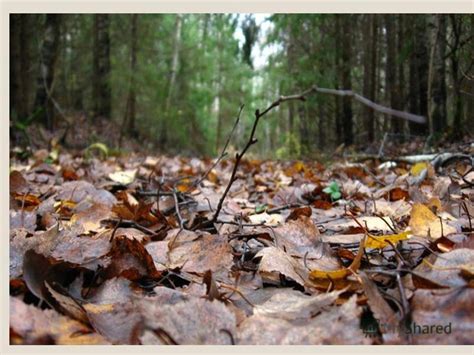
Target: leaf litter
(154, 250)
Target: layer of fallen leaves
(121, 251)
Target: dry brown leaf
(275, 262)
(443, 308)
(424, 223)
(447, 269)
(33, 324)
(194, 322)
(324, 329)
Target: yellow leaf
(341, 273)
(333, 275)
(418, 168)
(425, 223)
(64, 205)
(380, 242)
(434, 204)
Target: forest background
(174, 83)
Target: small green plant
(333, 190)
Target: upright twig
(178, 213)
(252, 140)
(223, 153)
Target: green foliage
(215, 75)
(333, 190)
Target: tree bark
(337, 79)
(456, 27)
(15, 67)
(102, 92)
(172, 78)
(131, 112)
(46, 74)
(438, 86)
(419, 66)
(369, 71)
(346, 78)
(401, 101)
(392, 89)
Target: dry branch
(377, 107)
(302, 97)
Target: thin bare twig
(178, 213)
(252, 140)
(223, 153)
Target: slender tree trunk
(291, 61)
(369, 69)
(419, 66)
(423, 67)
(346, 78)
(304, 127)
(438, 85)
(337, 79)
(133, 65)
(401, 101)
(374, 70)
(392, 89)
(413, 84)
(321, 128)
(102, 92)
(172, 78)
(48, 56)
(25, 60)
(457, 119)
(219, 84)
(15, 67)
(468, 117)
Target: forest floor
(141, 249)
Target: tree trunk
(346, 78)
(102, 93)
(419, 66)
(219, 84)
(457, 119)
(337, 79)
(304, 127)
(470, 85)
(15, 68)
(131, 112)
(48, 56)
(401, 101)
(392, 89)
(438, 85)
(321, 128)
(369, 70)
(172, 78)
(291, 62)
(413, 84)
